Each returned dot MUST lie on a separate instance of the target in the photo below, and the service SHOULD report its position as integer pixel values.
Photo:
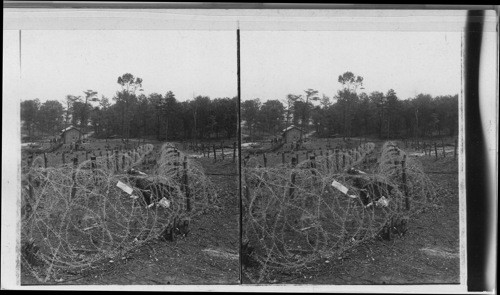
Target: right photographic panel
(350, 149)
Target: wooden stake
(292, 180)
(73, 177)
(337, 160)
(328, 161)
(234, 151)
(186, 185)
(30, 187)
(313, 164)
(455, 148)
(116, 161)
(107, 160)
(94, 166)
(405, 188)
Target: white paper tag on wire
(342, 189)
(164, 202)
(124, 187)
(383, 201)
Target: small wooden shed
(292, 133)
(70, 134)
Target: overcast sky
(277, 63)
(57, 63)
(273, 64)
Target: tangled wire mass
(294, 216)
(75, 216)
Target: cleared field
(77, 223)
(297, 240)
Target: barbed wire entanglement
(295, 214)
(76, 215)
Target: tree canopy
(130, 114)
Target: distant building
(87, 135)
(292, 133)
(70, 134)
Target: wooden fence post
(63, 155)
(93, 166)
(327, 161)
(116, 161)
(107, 160)
(186, 185)
(178, 164)
(215, 155)
(292, 180)
(73, 177)
(222, 151)
(234, 151)
(337, 160)
(283, 158)
(30, 187)
(436, 150)
(45, 160)
(313, 164)
(265, 159)
(455, 148)
(405, 187)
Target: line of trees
(352, 113)
(131, 114)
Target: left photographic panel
(128, 157)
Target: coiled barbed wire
(292, 216)
(75, 216)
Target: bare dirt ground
(209, 254)
(427, 254)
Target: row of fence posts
(93, 165)
(93, 160)
(352, 153)
(427, 147)
(63, 156)
(205, 150)
(312, 158)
